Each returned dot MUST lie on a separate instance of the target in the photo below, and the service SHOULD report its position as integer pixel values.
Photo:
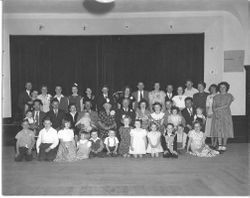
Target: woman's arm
(132, 143)
(17, 147)
(189, 143)
(102, 125)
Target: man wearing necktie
(56, 115)
(188, 114)
(38, 114)
(140, 94)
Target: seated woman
(197, 143)
(143, 114)
(106, 120)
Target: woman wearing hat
(106, 120)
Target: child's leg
(135, 155)
(156, 154)
(20, 157)
(140, 155)
(152, 155)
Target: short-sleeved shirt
(111, 141)
(25, 138)
(66, 135)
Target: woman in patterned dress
(106, 120)
(143, 114)
(222, 124)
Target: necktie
(37, 117)
(56, 112)
(190, 111)
(141, 96)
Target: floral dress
(107, 120)
(158, 118)
(198, 140)
(125, 140)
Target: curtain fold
(92, 61)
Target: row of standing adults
(215, 105)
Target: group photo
(125, 98)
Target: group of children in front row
(61, 146)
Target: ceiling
(81, 6)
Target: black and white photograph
(125, 97)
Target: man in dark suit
(38, 115)
(24, 97)
(140, 94)
(56, 115)
(104, 97)
(124, 111)
(188, 114)
(169, 93)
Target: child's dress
(201, 119)
(154, 137)
(139, 143)
(175, 120)
(125, 140)
(83, 149)
(196, 144)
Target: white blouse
(46, 102)
(179, 101)
(66, 135)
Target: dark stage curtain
(92, 61)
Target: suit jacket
(63, 104)
(72, 120)
(135, 95)
(23, 98)
(56, 120)
(189, 119)
(41, 116)
(167, 98)
(101, 100)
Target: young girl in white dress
(197, 143)
(175, 118)
(138, 143)
(154, 141)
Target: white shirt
(28, 92)
(191, 92)
(111, 141)
(169, 95)
(49, 137)
(46, 102)
(66, 135)
(58, 97)
(139, 95)
(179, 101)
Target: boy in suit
(188, 114)
(38, 115)
(24, 97)
(103, 98)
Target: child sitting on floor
(47, 141)
(181, 137)
(171, 143)
(111, 144)
(154, 141)
(96, 145)
(197, 143)
(25, 142)
(67, 148)
(83, 146)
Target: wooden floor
(226, 174)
